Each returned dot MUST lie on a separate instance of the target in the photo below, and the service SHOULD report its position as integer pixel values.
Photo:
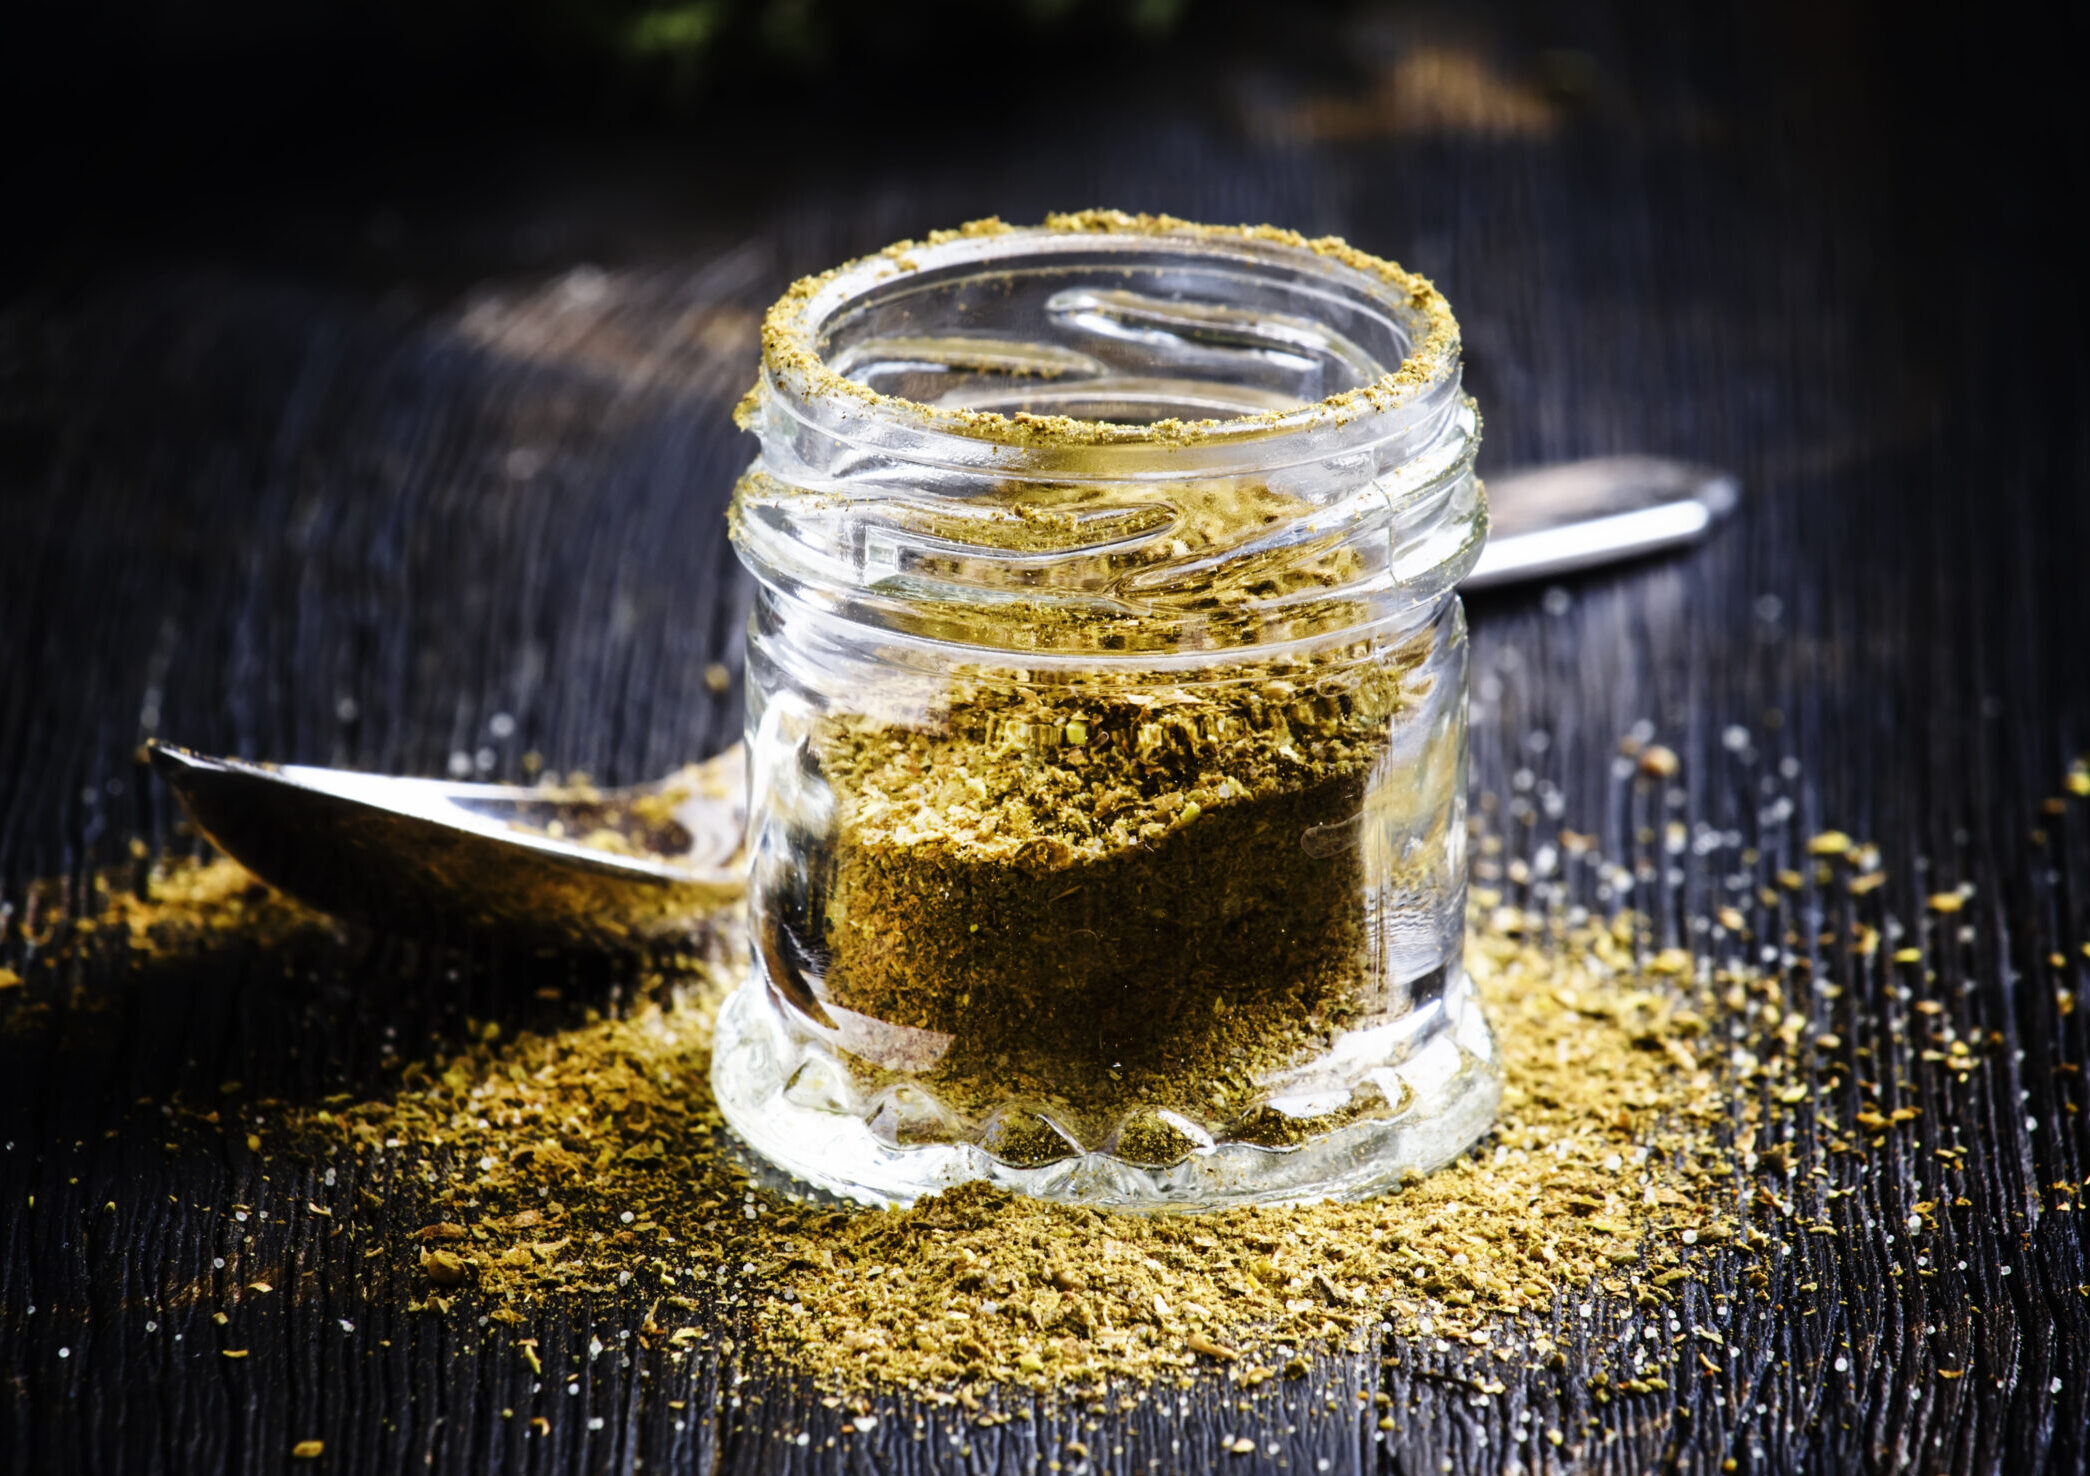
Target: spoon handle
(1557, 519)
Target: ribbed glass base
(789, 1096)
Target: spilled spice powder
(186, 906)
(575, 1160)
(578, 1160)
(1641, 1125)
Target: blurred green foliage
(677, 43)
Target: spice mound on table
(589, 1159)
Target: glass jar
(1106, 722)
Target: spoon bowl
(618, 868)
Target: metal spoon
(627, 868)
(1580, 514)
(618, 868)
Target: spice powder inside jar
(1076, 887)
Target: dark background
(364, 373)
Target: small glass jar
(1107, 722)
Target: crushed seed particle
(1659, 762)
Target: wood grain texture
(262, 504)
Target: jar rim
(791, 330)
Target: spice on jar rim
(791, 354)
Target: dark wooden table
(338, 475)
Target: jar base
(1451, 1086)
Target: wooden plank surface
(343, 492)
